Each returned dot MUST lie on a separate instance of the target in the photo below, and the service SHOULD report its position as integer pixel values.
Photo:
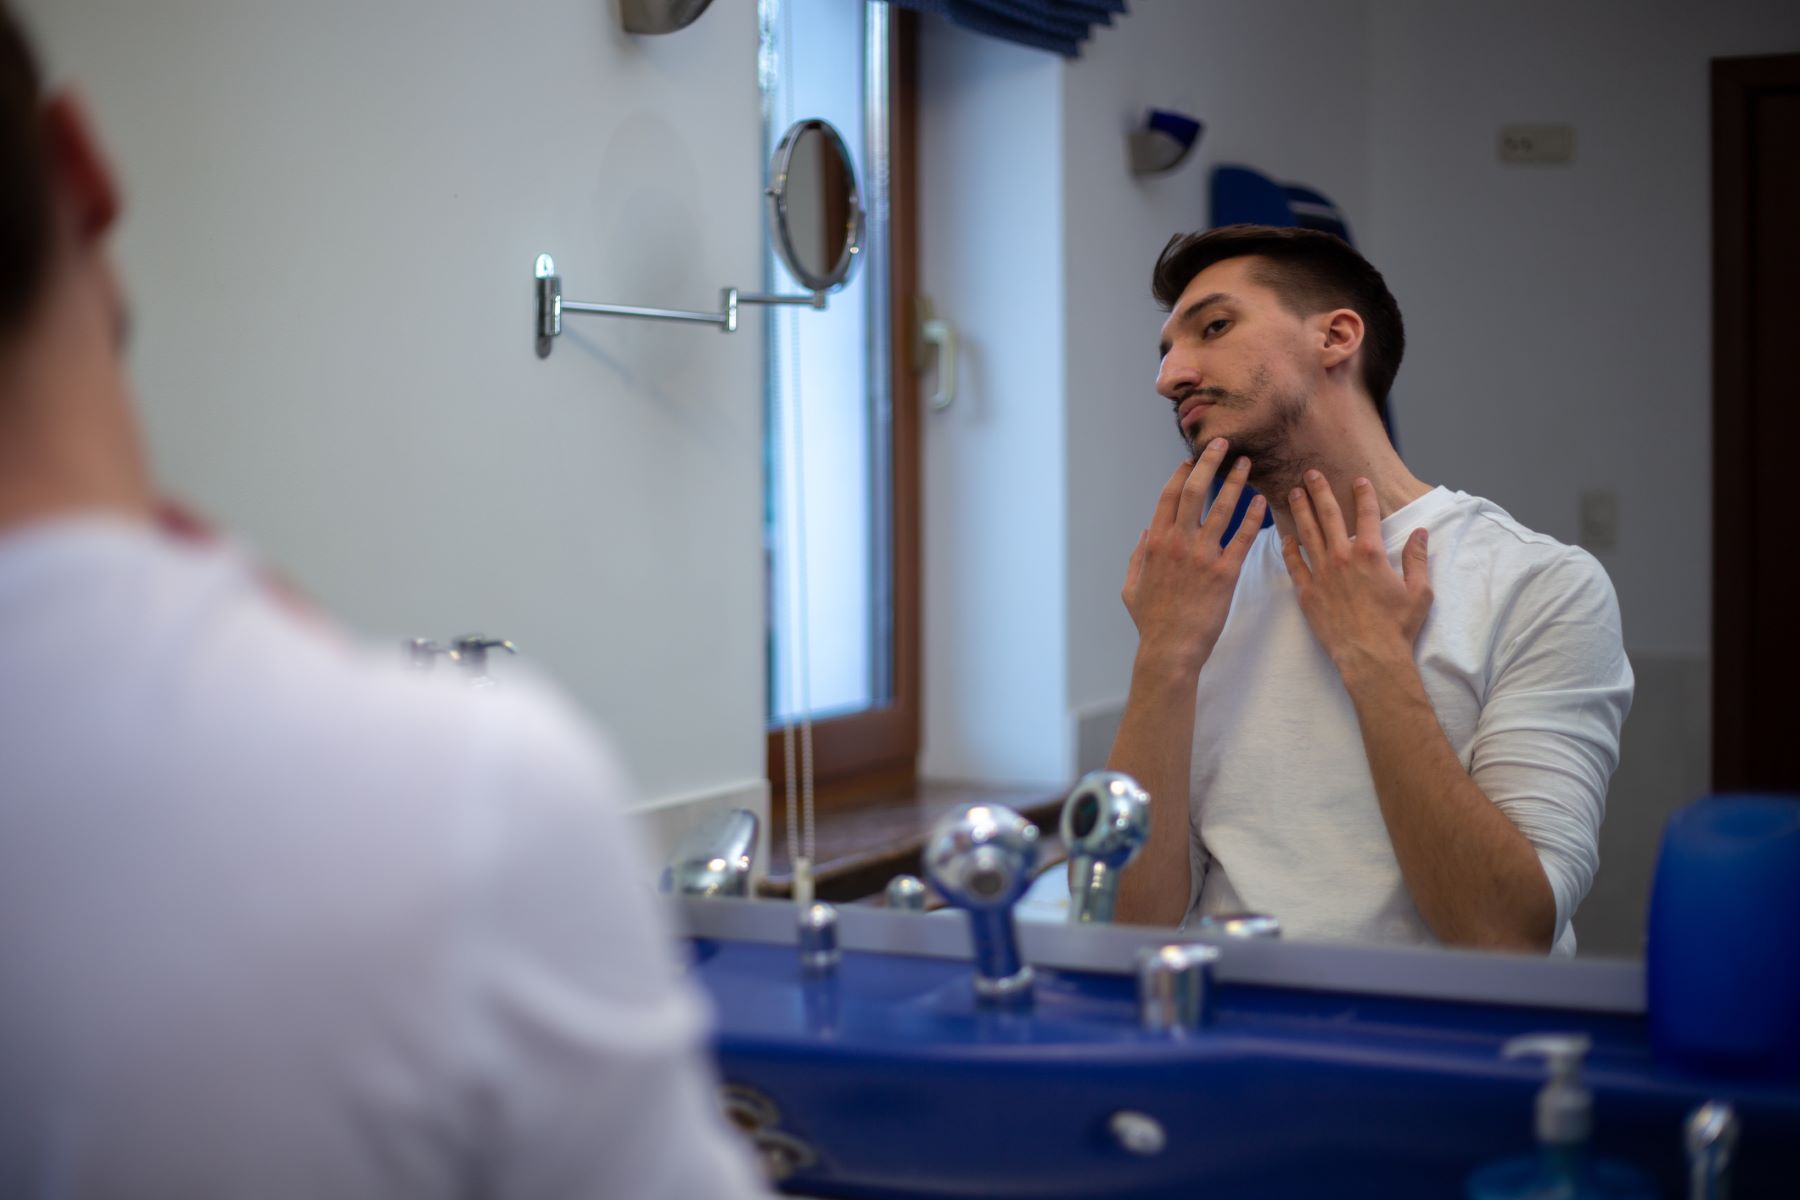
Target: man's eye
(1214, 327)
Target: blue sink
(1325, 1071)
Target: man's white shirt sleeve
(1547, 740)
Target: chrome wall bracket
(551, 306)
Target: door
(1756, 423)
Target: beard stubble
(1268, 441)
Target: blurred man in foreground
(276, 919)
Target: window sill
(861, 845)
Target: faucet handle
(713, 858)
(1710, 1136)
(980, 858)
(1245, 925)
(1107, 816)
(818, 930)
(1105, 821)
(1175, 984)
(471, 649)
(422, 653)
(906, 894)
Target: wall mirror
(815, 221)
(1546, 234)
(815, 209)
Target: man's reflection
(1391, 717)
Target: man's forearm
(1474, 876)
(1154, 746)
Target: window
(842, 448)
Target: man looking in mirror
(276, 919)
(1392, 716)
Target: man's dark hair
(24, 175)
(1311, 272)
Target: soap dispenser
(1561, 1169)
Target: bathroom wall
(992, 253)
(1559, 323)
(1283, 86)
(332, 214)
(1037, 242)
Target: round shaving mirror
(815, 210)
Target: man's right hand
(1178, 589)
(1179, 584)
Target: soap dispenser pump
(1563, 1118)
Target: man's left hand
(1362, 611)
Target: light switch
(1599, 521)
(1542, 145)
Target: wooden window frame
(874, 753)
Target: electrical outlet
(1599, 521)
(1540, 145)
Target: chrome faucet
(906, 894)
(1246, 925)
(1175, 987)
(422, 653)
(1105, 820)
(980, 857)
(713, 857)
(1710, 1135)
(818, 931)
(470, 652)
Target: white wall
(1559, 318)
(333, 211)
(991, 251)
(1038, 242)
(1282, 86)
(1559, 324)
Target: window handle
(933, 331)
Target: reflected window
(834, 498)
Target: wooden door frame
(1735, 82)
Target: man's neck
(1342, 450)
(68, 439)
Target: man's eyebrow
(1192, 311)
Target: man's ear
(1341, 336)
(82, 180)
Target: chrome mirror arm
(551, 306)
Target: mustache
(1212, 393)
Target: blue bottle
(1724, 996)
(1562, 1168)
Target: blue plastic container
(1723, 962)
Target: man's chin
(1203, 434)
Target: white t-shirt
(1524, 663)
(281, 919)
